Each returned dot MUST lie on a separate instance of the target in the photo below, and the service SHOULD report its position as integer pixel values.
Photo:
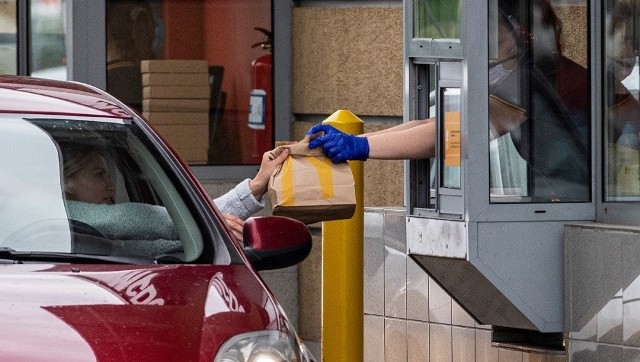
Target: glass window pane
(539, 101)
(96, 180)
(432, 164)
(47, 54)
(219, 116)
(622, 178)
(437, 19)
(8, 38)
(424, 171)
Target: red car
(151, 272)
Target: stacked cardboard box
(175, 100)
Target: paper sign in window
(452, 139)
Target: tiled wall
(408, 317)
(602, 292)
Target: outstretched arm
(245, 199)
(408, 141)
(411, 140)
(401, 127)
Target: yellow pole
(342, 267)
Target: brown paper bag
(310, 188)
(504, 117)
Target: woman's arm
(245, 199)
(239, 201)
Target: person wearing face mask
(517, 46)
(620, 50)
(535, 93)
(624, 108)
(538, 33)
(414, 139)
(90, 195)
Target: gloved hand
(339, 146)
(324, 128)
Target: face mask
(622, 67)
(497, 73)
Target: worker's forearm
(414, 142)
(400, 127)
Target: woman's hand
(260, 182)
(235, 224)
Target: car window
(107, 193)
(30, 189)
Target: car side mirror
(275, 242)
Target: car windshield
(93, 187)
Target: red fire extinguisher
(260, 106)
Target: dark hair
(519, 19)
(621, 13)
(121, 18)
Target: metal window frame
(627, 213)
(22, 37)
(472, 50)
(86, 42)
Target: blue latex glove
(339, 146)
(324, 128)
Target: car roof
(27, 95)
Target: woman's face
(91, 183)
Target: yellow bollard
(342, 267)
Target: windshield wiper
(42, 256)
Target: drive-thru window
(537, 112)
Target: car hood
(107, 312)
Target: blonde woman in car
(90, 193)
